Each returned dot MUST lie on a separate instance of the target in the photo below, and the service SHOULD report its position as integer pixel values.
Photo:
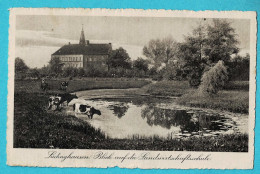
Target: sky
(39, 36)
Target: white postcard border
(216, 160)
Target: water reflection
(167, 118)
(188, 121)
(119, 110)
(123, 118)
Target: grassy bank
(35, 127)
(169, 88)
(234, 97)
(233, 101)
(33, 86)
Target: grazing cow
(67, 97)
(51, 102)
(44, 85)
(85, 109)
(54, 101)
(59, 99)
(64, 85)
(93, 111)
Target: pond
(147, 117)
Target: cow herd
(45, 85)
(80, 106)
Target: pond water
(146, 117)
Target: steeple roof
(82, 37)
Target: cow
(44, 85)
(54, 101)
(67, 97)
(85, 109)
(59, 99)
(64, 85)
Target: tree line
(209, 45)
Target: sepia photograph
(137, 82)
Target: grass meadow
(33, 86)
(36, 127)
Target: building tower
(82, 37)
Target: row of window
(70, 59)
(95, 59)
(75, 65)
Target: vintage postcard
(149, 89)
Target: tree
(173, 72)
(191, 56)
(119, 58)
(221, 41)
(141, 64)
(81, 72)
(44, 71)
(160, 51)
(238, 68)
(214, 79)
(205, 47)
(34, 73)
(55, 66)
(20, 66)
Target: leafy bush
(214, 79)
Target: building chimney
(87, 42)
(69, 43)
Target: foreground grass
(234, 97)
(34, 127)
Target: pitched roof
(88, 49)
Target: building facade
(83, 55)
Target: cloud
(25, 38)
(36, 47)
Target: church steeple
(82, 37)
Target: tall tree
(205, 47)
(119, 58)
(160, 51)
(191, 55)
(221, 41)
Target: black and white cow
(58, 99)
(64, 85)
(54, 101)
(44, 85)
(80, 108)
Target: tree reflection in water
(187, 121)
(119, 110)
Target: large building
(84, 54)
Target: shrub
(214, 79)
